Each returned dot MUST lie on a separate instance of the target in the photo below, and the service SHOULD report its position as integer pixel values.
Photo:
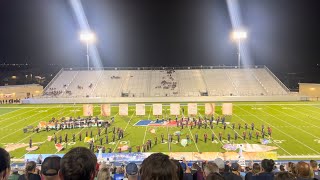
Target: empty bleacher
(165, 83)
(270, 82)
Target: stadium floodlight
(238, 35)
(87, 37)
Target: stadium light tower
(88, 38)
(238, 35)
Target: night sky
(283, 34)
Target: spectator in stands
(188, 175)
(158, 166)
(314, 166)
(235, 172)
(285, 176)
(303, 171)
(184, 164)
(214, 176)
(255, 170)
(179, 169)
(15, 174)
(282, 168)
(78, 163)
(30, 172)
(104, 174)
(210, 168)
(220, 163)
(199, 173)
(290, 167)
(227, 170)
(275, 169)
(4, 164)
(50, 168)
(120, 170)
(266, 167)
(132, 171)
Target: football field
(295, 128)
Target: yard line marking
(24, 112)
(46, 139)
(182, 113)
(291, 125)
(283, 132)
(31, 124)
(312, 105)
(311, 110)
(24, 119)
(39, 146)
(304, 113)
(292, 116)
(123, 131)
(85, 128)
(239, 136)
(273, 143)
(211, 130)
(299, 157)
(145, 132)
(10, 111)
(193, 139)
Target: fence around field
(163, 99)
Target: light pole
(87, 37)
(237, 36)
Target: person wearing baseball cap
(235, 174)
(220, 163)
(50, 168)
(132, 171)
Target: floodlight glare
(236, 35)
(87, 37)
(239, 35)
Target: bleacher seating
(165, 82)
(271, 86)
(217, 83)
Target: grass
(295, 127)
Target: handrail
(264, 88)
(70, 82)
(161, 68)
(275, 77)
(204, 80)
(52, 80)
(232, 82)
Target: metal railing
(275, 77)
(163, 68)
(52, 80)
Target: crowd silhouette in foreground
(81, 163)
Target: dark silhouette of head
(214, 176)
(285, 176)
(256, 168)
(4, 164)
(179, 169)
(30, 168)
(210, 168)
(314, 164)
(303, 170)
(267, 165)
(78, 163)
(158, 166)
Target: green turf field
(296, 127)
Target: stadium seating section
(165, 83)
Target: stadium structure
(165, 84)
(217, 111)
